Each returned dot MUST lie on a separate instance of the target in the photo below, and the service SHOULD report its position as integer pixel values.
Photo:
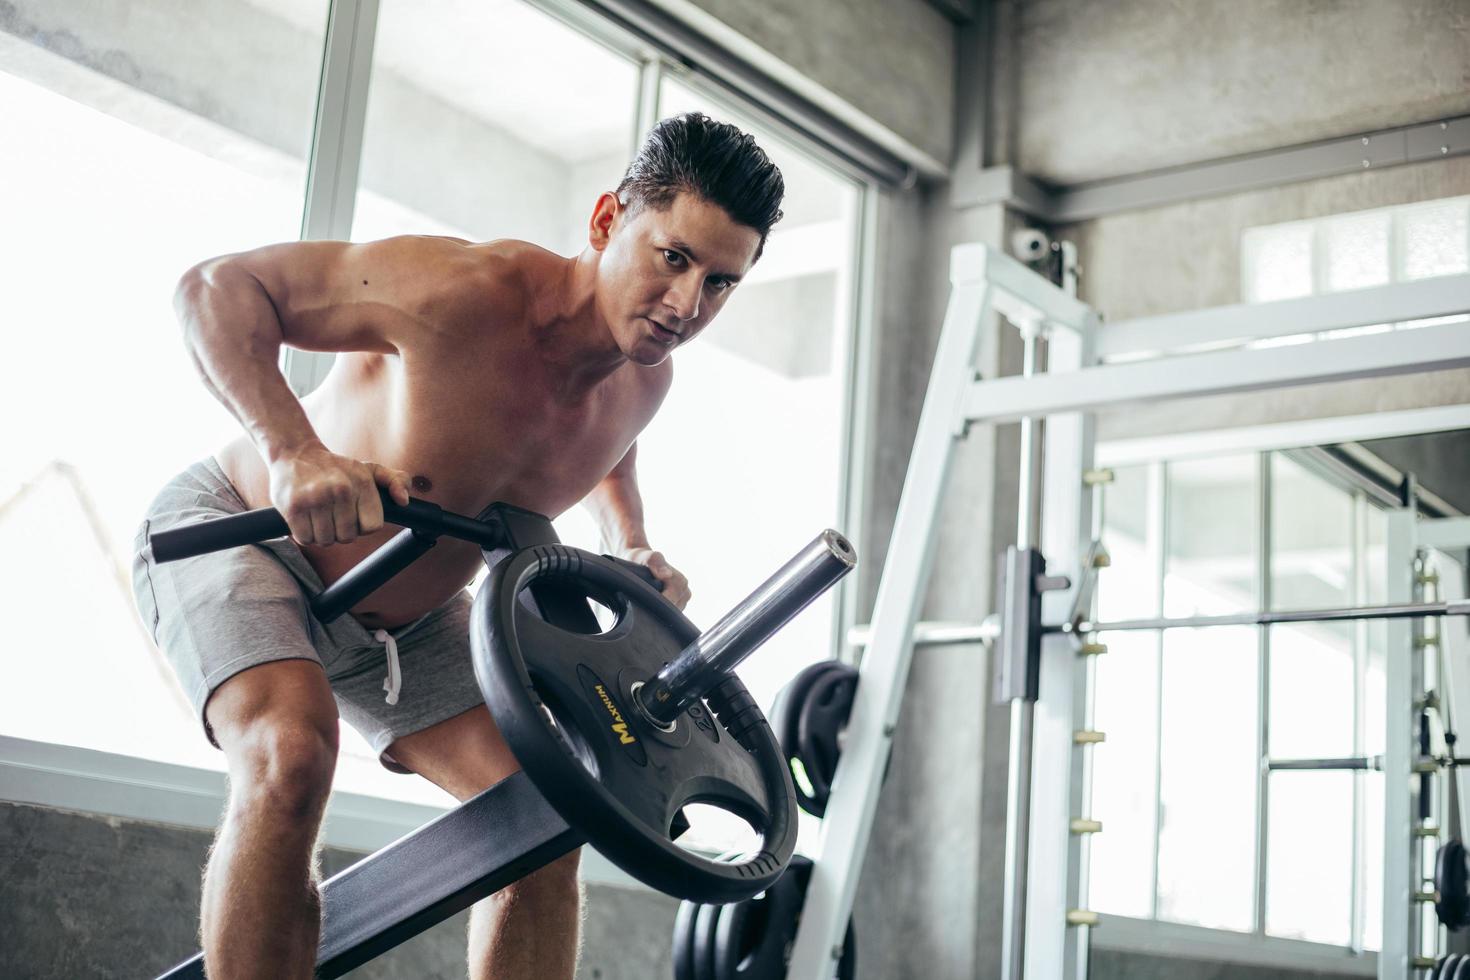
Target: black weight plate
(1451, 885)
(820, 718)
(785, 718)
(563, 701)
(684, 940)
(705, 924)
(1447, 966)
(790, 698)
(753, 938)
(1462, 969)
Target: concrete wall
(89, 896)
(1105, 89)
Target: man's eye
(718, 285)
(672, 257)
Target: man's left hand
(676, 586)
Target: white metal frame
(1055, 917)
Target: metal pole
(705, 662)
(937, 633)
(1404, 610)
(1373, 763)
(1023, 722)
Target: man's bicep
(344, 296)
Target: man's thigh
(462, 755)
(436, 681)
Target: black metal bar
(267, 523)
(445, 866)
(364, 578)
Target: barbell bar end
(1098, 477)
(1081, 825)
(1092, 649)
(1082, 917)
(1088, 737)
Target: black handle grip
(218, 534)
(254, 526)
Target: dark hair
(714, 160)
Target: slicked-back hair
(714, 160)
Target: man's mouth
(662, 332)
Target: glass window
(1176, 783)
(451, 148)
(1212, 539)
(1124, 794)
(131, 152)
(1311, 539)
(1208, 766)
(1355, 251)
(1309, 859)
(1128, 588)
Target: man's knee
(285, 764)
(278, 728)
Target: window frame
(1197, 938)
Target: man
(469, 373)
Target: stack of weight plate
(752, 940)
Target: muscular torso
(476, 417)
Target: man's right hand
(331, 499)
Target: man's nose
(683, 298)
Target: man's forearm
(618, 509)
(233, 335)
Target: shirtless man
(469, 373)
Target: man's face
(664, 274)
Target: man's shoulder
(459, 278)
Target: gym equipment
(1451, 885)
(751, 939)
(808, 717)
(1047, 676)
(558, 686)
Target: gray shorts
(218, 614)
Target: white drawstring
(393, 683)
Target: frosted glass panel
(1277, 262)
(1356, 250)
(1433, 239)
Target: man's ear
(605, 216)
